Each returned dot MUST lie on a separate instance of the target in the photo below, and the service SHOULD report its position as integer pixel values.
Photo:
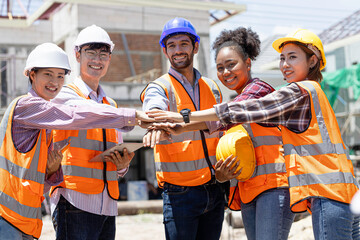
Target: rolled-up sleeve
(214, 126)
(222, 111)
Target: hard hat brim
(28, 70)
(278, 43)
(173, 32)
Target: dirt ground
(150, 227)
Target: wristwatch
(185, 113)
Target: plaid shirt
(255, 88)
(289, 106)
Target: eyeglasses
(92, 54)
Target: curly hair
(245, 42)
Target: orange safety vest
(270, 170)
(317, 160)
(80, 174)
(22, 177)
(182, 162)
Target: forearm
(40, 114)
(194, 126)
(204, 116)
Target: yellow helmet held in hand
(237, 142)
(306, 37)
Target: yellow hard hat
(237, 142)
(306, 37)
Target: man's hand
(120, 162)
(225, 170)
(153, 137)
(171, 128)
(53, 161)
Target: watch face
(185, 113)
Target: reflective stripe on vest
(333, 175)
(84, 172)
(184, 166)
(22, 178)
(182, 162)
(81, 141)
(258, 141)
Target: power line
(287, 17)
(301, 6)
(304, 15)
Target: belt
(211, 182)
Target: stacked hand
(158, 126)
(160, 115)
(163, 124)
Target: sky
(268, 17)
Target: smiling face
(47, 82)
(93, 64)
(294, 63)
(232, 70)
(180, 52)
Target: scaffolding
(7, 79)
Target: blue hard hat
(177, 26)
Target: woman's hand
(53, 161)
(160, 115)
(120, 162)
(225, 170)
(141, 116)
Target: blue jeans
(71, 223)
(193, 212)
(268, 216)
(333, 220)
(8, 231)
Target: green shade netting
(343, 78)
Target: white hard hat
(47, 55)
(93, 34)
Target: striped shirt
(289, 106)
